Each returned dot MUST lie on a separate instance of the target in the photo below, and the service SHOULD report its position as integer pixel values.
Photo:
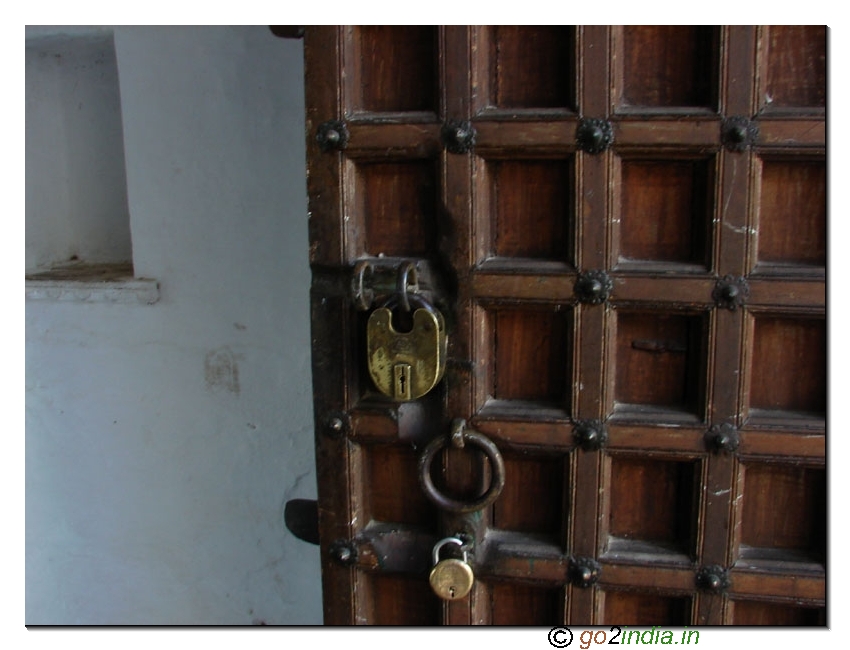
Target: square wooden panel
(783, 513)
(391, 477)
(660, 362)
(795, 58)
(396, 205)
(532, 203)
(532, 355)
(397, 69)
(531, 66)
(532, 500)
(667, 66)
(653, 505)
(470, 474)
(645, 609)
(518, 604)
(745, 612)
(403, 600)
(665, 212)
(792, 212)
(788, 368)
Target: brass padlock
(406, 365)
(451, 579)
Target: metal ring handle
(454, 505)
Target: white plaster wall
(162, 441)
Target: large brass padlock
(451, 579)
(406, 365)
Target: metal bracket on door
(376, 278)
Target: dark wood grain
(653, 501)
(398, 208)
(403, 600)
(644, 609)
(321, 57)
(783, 584)
(789, 365)
(665, 210)
(398, 68)
(756, 613)
(516, 604)
(796, 65)
(669, 65)
(393, 479)
(593, 215)
(531, 361)
(792, 213)
(533, 498)
(729, 239)
(532, 67)
(800, 524)
(532, 202)
(658, 360)
(334, 459)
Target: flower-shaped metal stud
(590, 435)
(730, 292)
(594, 136)
(593, 287)
(713, 578)
(584, 571)
(722, 437)
(738, 133)
(458, 136)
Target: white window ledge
(92, 283)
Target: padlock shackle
(408, 282)
(448, 540)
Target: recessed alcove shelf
(82, 282)
(78, 241)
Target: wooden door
(625, 229)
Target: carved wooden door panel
(625, 230)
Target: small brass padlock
(451, 579)
(406, 365)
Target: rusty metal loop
(490, 450)
(363, 296)
(408, 282)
